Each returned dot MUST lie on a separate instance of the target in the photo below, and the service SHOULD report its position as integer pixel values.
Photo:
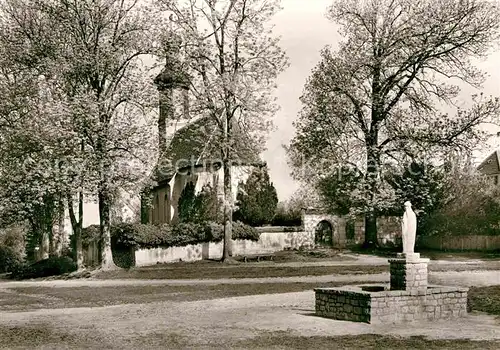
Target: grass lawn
(44, 336)
(436, 254)
(282, 340)
(29, 298)
(216, 270)
(485, 299)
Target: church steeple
(172, 81)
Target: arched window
(350, 230)
(156, 210)
(166, 206)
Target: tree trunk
(228, 212)
(372, 173)
(45, 245)
(371, 240)
(77, 228)
(104, 220)
(104, 199)
(60, 238)
(48, 227)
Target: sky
(304, 31)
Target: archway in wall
(322, 229)
(323, 234)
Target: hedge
(48, 267)
(9, 259)
(181, 234)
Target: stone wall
(312, 217)
(343, 305)
(269, 242)
(388, 230)
(353, 304)
(153, 256)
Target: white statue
(409, 229)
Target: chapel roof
(491, 165)
(196, 144)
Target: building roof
(491, 165)
(197, 144)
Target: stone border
(351, 303)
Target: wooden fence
(460, 242)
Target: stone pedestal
(408, 272)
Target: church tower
(173, 88)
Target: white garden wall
(268, 242)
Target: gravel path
(462, 278)
(216, 323)
(223, 321)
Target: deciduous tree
(91, 53)
(377, 96)
(234, 61)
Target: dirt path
(462, 278)
(220, 322)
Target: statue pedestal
(408, 256)
(408, 272)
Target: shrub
(9, 259)
(52, 266)
(181, 234)
(90, 233)
(199, 208)
(14, 237)
(287, 216)
(243, 231)
(124, 234)
(256, 199)
(474, 209)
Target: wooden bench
(258, 257)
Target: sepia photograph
(250, 174)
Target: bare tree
(376, 97)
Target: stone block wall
(354, 304)
(408, 275)
(343, 305)
(389, 228)
(312, 217)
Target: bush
(52, 266)
(473, 210)
(243, 231)
(181, 234)
(256, 199)
(90, 233)
(9, 259)
(199, 208)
